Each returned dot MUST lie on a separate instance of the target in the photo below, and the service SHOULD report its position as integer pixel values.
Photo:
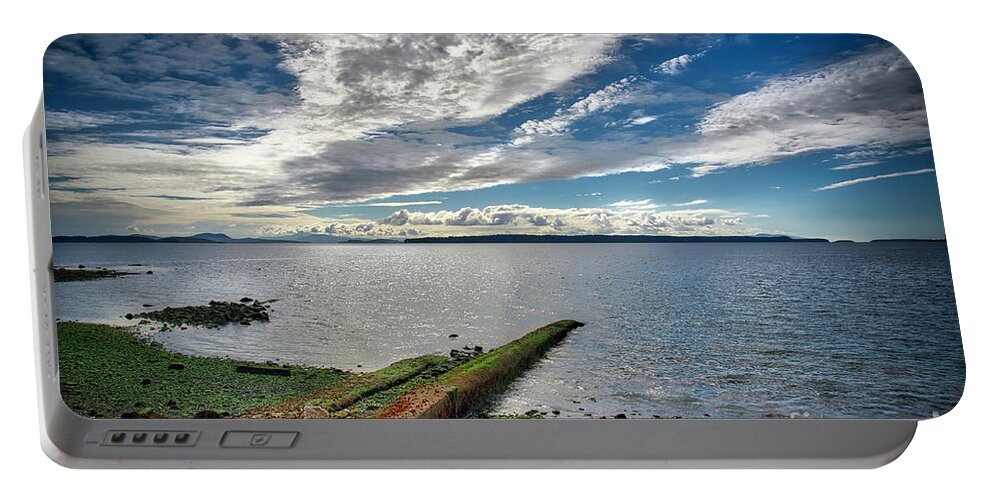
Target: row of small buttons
(141, 438)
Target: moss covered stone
(466, 388)
(357, 395)
(108, 372)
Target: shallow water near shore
(672, 330)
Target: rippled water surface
(688, 329)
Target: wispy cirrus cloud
(813, 111)
(635, 204)
(602, 100)
(860, 180)
(394, 204)
(690, 203)
(853, 166)
(678, 64)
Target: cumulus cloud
(631, 218)
(860, 180)
(336, 228)
(524, 219)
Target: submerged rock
(83, 274)
(213, 315)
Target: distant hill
(215, 237)
(223, 238)
(315, 238)
(107, 238)
(606, 238)
(768, 235)
(376, 241)
(141, 238)
(209, 238)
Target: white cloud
(702, 170)
(394, 204)
(852, 182)
(872, 100)
(79, 120)
(678, 64)
(642, 120)
(627, 219)
(635, 204)
(852, 166)
(634, 121)
(263, 146)
(690, 203)
(600, 101)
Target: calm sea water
(688, 330)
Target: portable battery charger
(506, 250)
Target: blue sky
(394, 136)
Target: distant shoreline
(495, 238)
(606, 238)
